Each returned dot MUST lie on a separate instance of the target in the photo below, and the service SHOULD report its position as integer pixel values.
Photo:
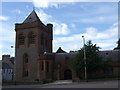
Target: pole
(12, 47)
(85, 59)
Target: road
(69, 84)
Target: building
(7, 68)
(34, 59)
(114, 56)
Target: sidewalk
(62, 82)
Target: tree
(93, 61)
(118, 47)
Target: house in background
(7, 68)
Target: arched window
(25, 58)
(21, 39)
(31, 38)
(42, 66)
(42, 39)
(25, 74)
(47, 66)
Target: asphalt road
(64, 84)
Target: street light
(85, 59)
(12, 47)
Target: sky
(96, 21)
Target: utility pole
(85, 59)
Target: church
(34, 59)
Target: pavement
(60, 82)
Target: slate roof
(32, 17)
(6, 66)
(63, 56)
(60, 50)
(113, 55)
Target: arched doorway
(67, 74)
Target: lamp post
(85, 59)
(12, 47)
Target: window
(3, 70)
(25, 74)
(109, 71)
(66, 59)
(31, 38)
(42, 66)
(106, 53)
(25, 65)
(42, 39)
(21, 39)
(47, 64)
(25, 58)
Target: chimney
(50, 29)
(5, 57)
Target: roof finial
(33, 8)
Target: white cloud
(3, 18)
(7, 38)
(73, 25)
(44, 3)
(7, 33)
(54, 3)
(91, 31)
(27, 6)
(60, 0)
(0, 51)
(17, 11)
(101, 18)
(84, 0)
(60, 29)
(45, 18)
(105, 39)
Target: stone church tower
(33, 40)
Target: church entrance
(67, 74)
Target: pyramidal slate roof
(32, 17)
(60, 50)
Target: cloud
(0, 51)
(27, 6)
(44, 3)
(7, 34)
(91, 31)
(45, 18)
(84, 0)
(96, 20)
(55, 3)
(3, 18)
(101, 18)
(73, 25)
(60, 1)
(105, 39)
(7, 38)
(60, 29)
(17, 11)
